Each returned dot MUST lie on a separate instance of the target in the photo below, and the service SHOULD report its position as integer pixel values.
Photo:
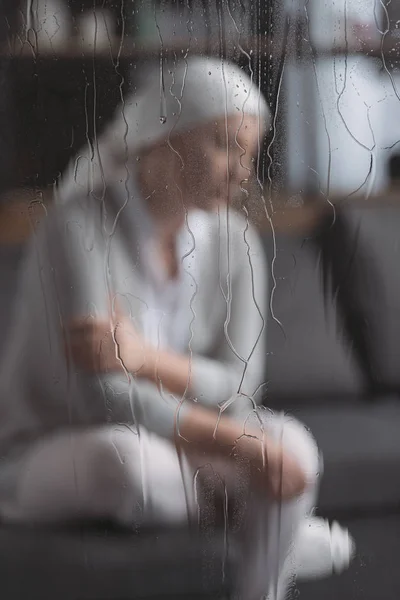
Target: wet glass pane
(199, 381)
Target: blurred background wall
(329, 71)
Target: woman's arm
(168, 370)
(59, 279)
(238, 363)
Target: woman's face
(201, 168)
(217, 159)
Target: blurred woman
(136, 362)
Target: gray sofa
(332, 361)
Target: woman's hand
(277, 469)
(286, 479)
(102, 346)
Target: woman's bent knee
(295, 439)
(299, 441)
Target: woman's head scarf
(171, 101)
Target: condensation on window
(198, 262)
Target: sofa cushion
(109, 565)
(310, 358)
(360, 443)
(364, 249)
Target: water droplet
(209, 72)
(163, 119)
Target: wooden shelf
(22, 210)
(135, 50)
(131, 48)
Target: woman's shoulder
(225, 222)
(228, 236)
(79, 217)
(66, 242)
(229, 227)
